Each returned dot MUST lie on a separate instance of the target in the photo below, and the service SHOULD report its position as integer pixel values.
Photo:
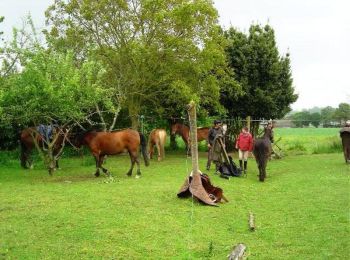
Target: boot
(245, 167)
(240, 164)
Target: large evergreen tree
(264, 75)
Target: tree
(315, 119)
(51, 88)
(160, 53)
(342, 113)
(327, 115)
(264, 75)
(301, 119)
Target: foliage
(342, 112)
(160, 53)
(75, 215)
(50, 87)
(264, 74)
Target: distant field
(308, 140)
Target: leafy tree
(160, 53)
(51, 88)
(315, 119)
(1, 20)
(327, 115)
(301, 119)
(264, 75)
(342, 113)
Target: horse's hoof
(97, 174)
(138, 176)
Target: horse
(345, 137)
(112, 143)
(184, 132)
(157, 138)
(27, 144)
(262, 151)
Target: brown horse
(184, 132)
(27, 144)
(157, 138)
(262, 151)
(111, 143)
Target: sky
(315, 32)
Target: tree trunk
(134, 111)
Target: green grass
(301, 211)
(298, 141)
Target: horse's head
(269, 133)
(76, 139)
(224, 129)
(174, 128)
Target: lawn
(301, 211)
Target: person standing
(213, 132)
(244, 144)
(345, 136)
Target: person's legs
(240, 157)
(245, 158)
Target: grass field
(296, 141)
(301, 211)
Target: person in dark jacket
(244, 144)
(213, 132)
(345, 136)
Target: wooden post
(193, 136)
(251, 222)
(248, 122)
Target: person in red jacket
(244, 144)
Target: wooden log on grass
(251, 222)
(237, 252)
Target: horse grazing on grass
(30, 135)
(262, 151)
(184, 132)
(157, 138)
(112, 143)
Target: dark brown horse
(262, 151)
(345, 137)
(111, 143)
(157, 138)
(27, 144)
(184, 132)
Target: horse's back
(262, 147)
(113, 142)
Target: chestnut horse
(111, 143)
(157, 138)
(184, 132)
(27, 144)
(262, 151)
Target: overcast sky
(316, 33)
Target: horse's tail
(144, 148)
(23, 155)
